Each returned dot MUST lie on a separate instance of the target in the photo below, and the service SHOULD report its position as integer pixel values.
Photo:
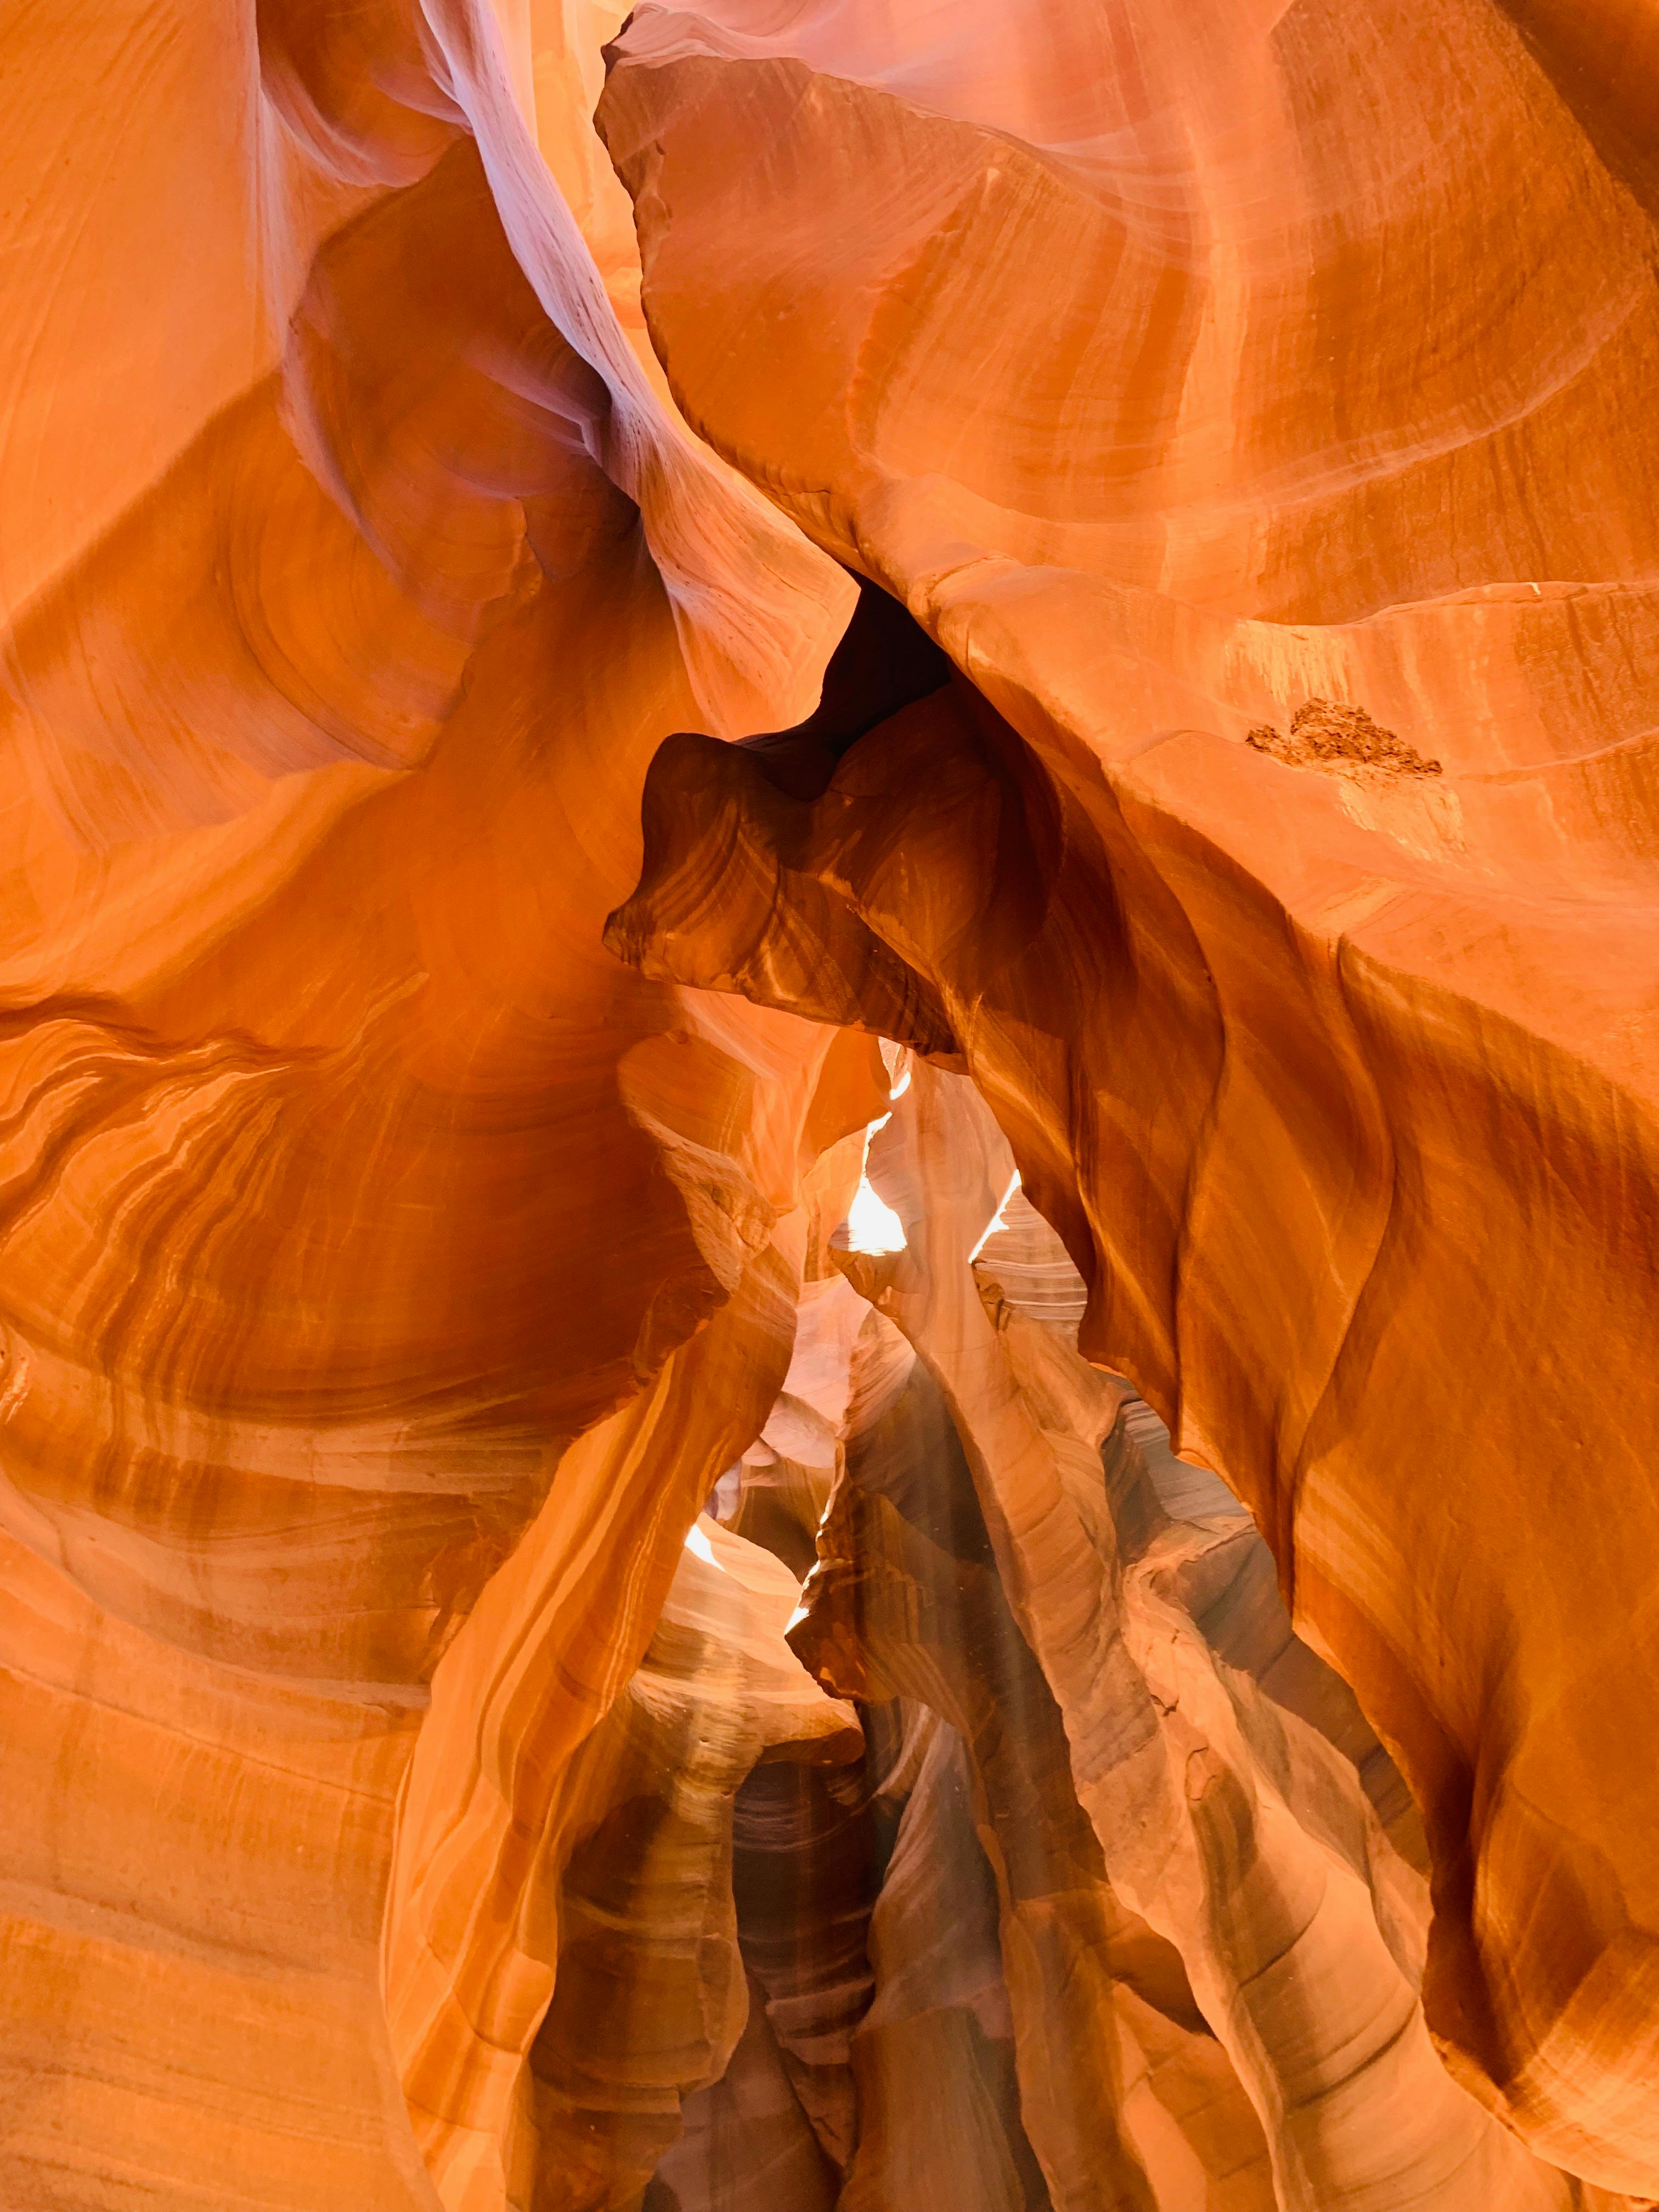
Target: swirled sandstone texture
(1184, 369)
(1204, 1809)
(352, 570)
(1149, 1930)
(1109, 547)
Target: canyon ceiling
(829, 1106)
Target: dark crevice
(885, 660)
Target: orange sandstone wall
(352, 573)
(1249, 400)
(538, 1670)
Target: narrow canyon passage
(829, 1106)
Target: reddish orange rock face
(827, 1163)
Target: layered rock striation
(746, 853)
(1172, 413)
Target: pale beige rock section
(650, 1993)
(939, 2119)
(747, 2145)
(1229, 1826)
(1113, 2091)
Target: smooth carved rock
(847, 555)
(1226, 1822)
(549, 1765)
(1341, 1090)
(337, 504)
(1124, 2096)
(649, 1990)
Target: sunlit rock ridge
(829, 1106)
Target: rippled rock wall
(1074, 588)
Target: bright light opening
(697, 1542)
(872, 1227)
(995, 1222)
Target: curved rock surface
(353, 571)
(586, 1624)
(1186, 370)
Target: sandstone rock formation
(749, 848)
(1163, 408)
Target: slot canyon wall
(829, 1047)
